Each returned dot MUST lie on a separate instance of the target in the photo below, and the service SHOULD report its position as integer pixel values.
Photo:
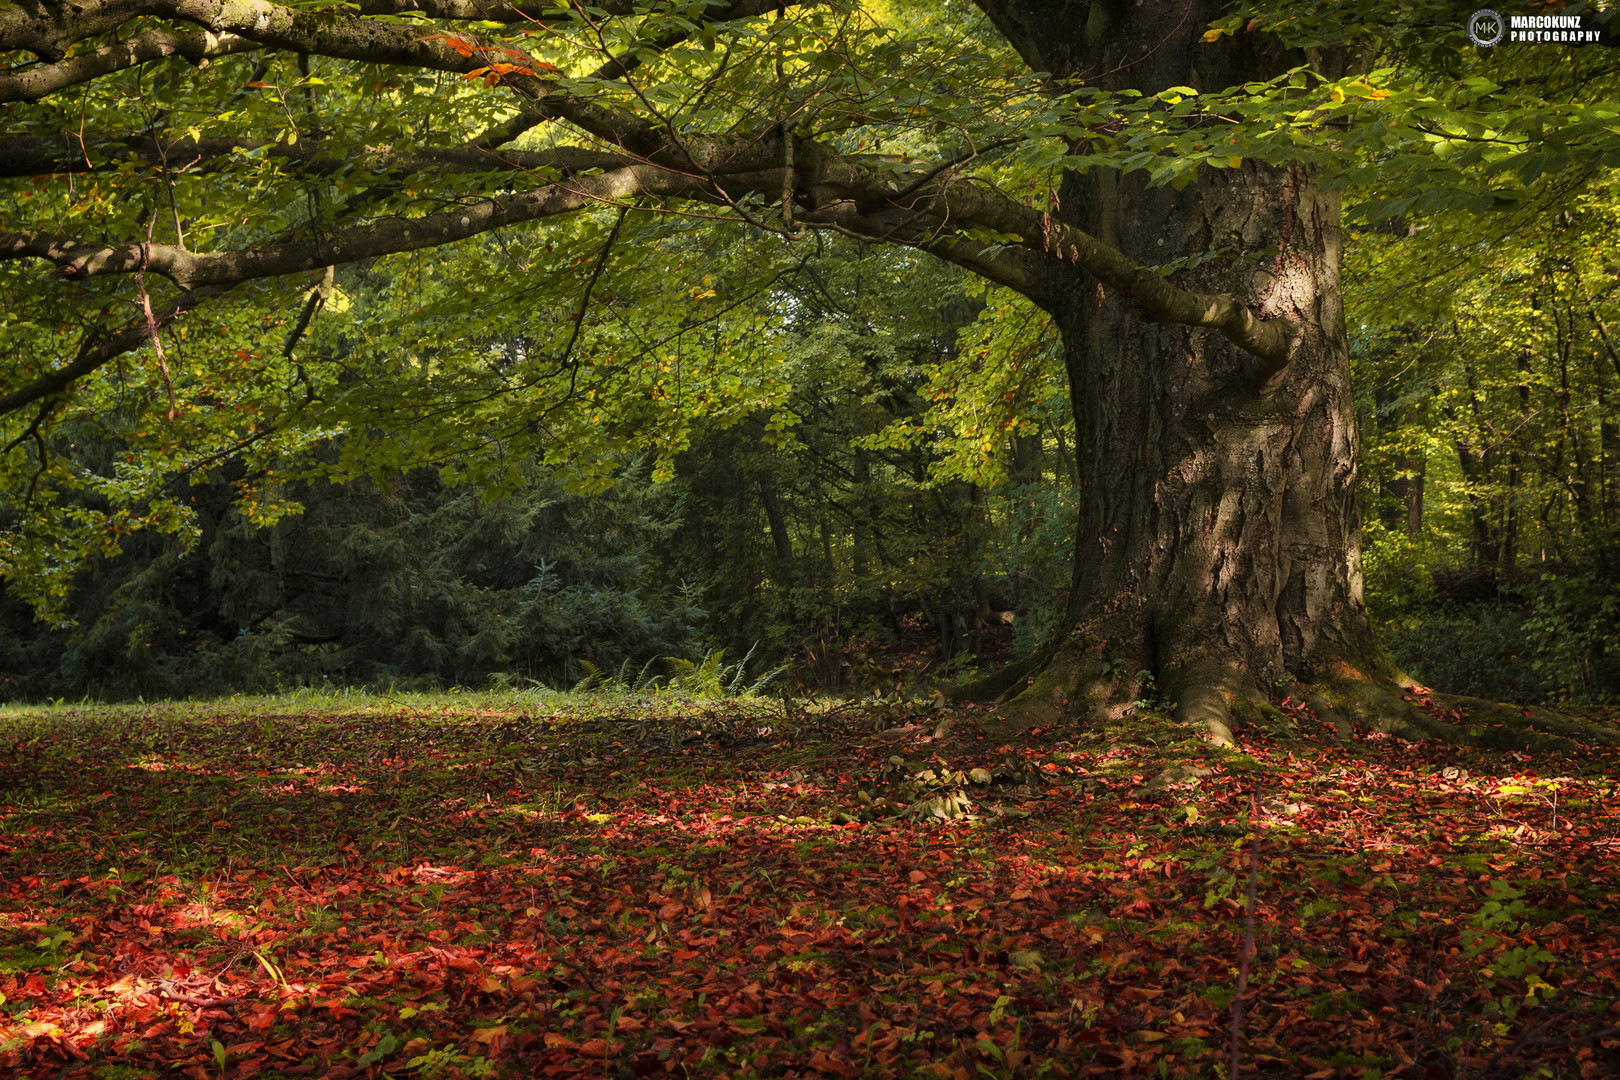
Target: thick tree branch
(857, 197)
(41, 155)
(48, 29)
(1017, 268)
(962, 202)
(189, 270)
(544, 13)
(197, 46)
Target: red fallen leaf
(562, 1042)
(262, 1018)
(670, 910)
(917, 877)
(821, 1062)
(462, 963)
(598, 1048)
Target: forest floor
(555, 886)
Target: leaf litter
(644, 888)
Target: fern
(592, 679)
(765, 680)
(736, 683)
(644, 681)
(699, 680)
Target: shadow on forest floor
(631, 887)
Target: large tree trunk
(1218, 548)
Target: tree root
(1342, 699)
(1000, 683)
(1075, 681)
(1550, 729)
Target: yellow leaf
(1336, 94)
(1234, 161)
(1215, 34)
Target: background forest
(901, 497)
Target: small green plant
(434, 1062)
(1221, 883)
(385, 1046)
(711, 677)
(1498, 920)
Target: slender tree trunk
(1402, 509)
(1478, 467)
(777, 522)
(861, 516)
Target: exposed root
(1536, 727)
(1002, 682)
(1210, 696)
(1081, 681)
(1343, 699)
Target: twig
(166, 989)
(585, 299)
(316, 300)
(151, 320)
